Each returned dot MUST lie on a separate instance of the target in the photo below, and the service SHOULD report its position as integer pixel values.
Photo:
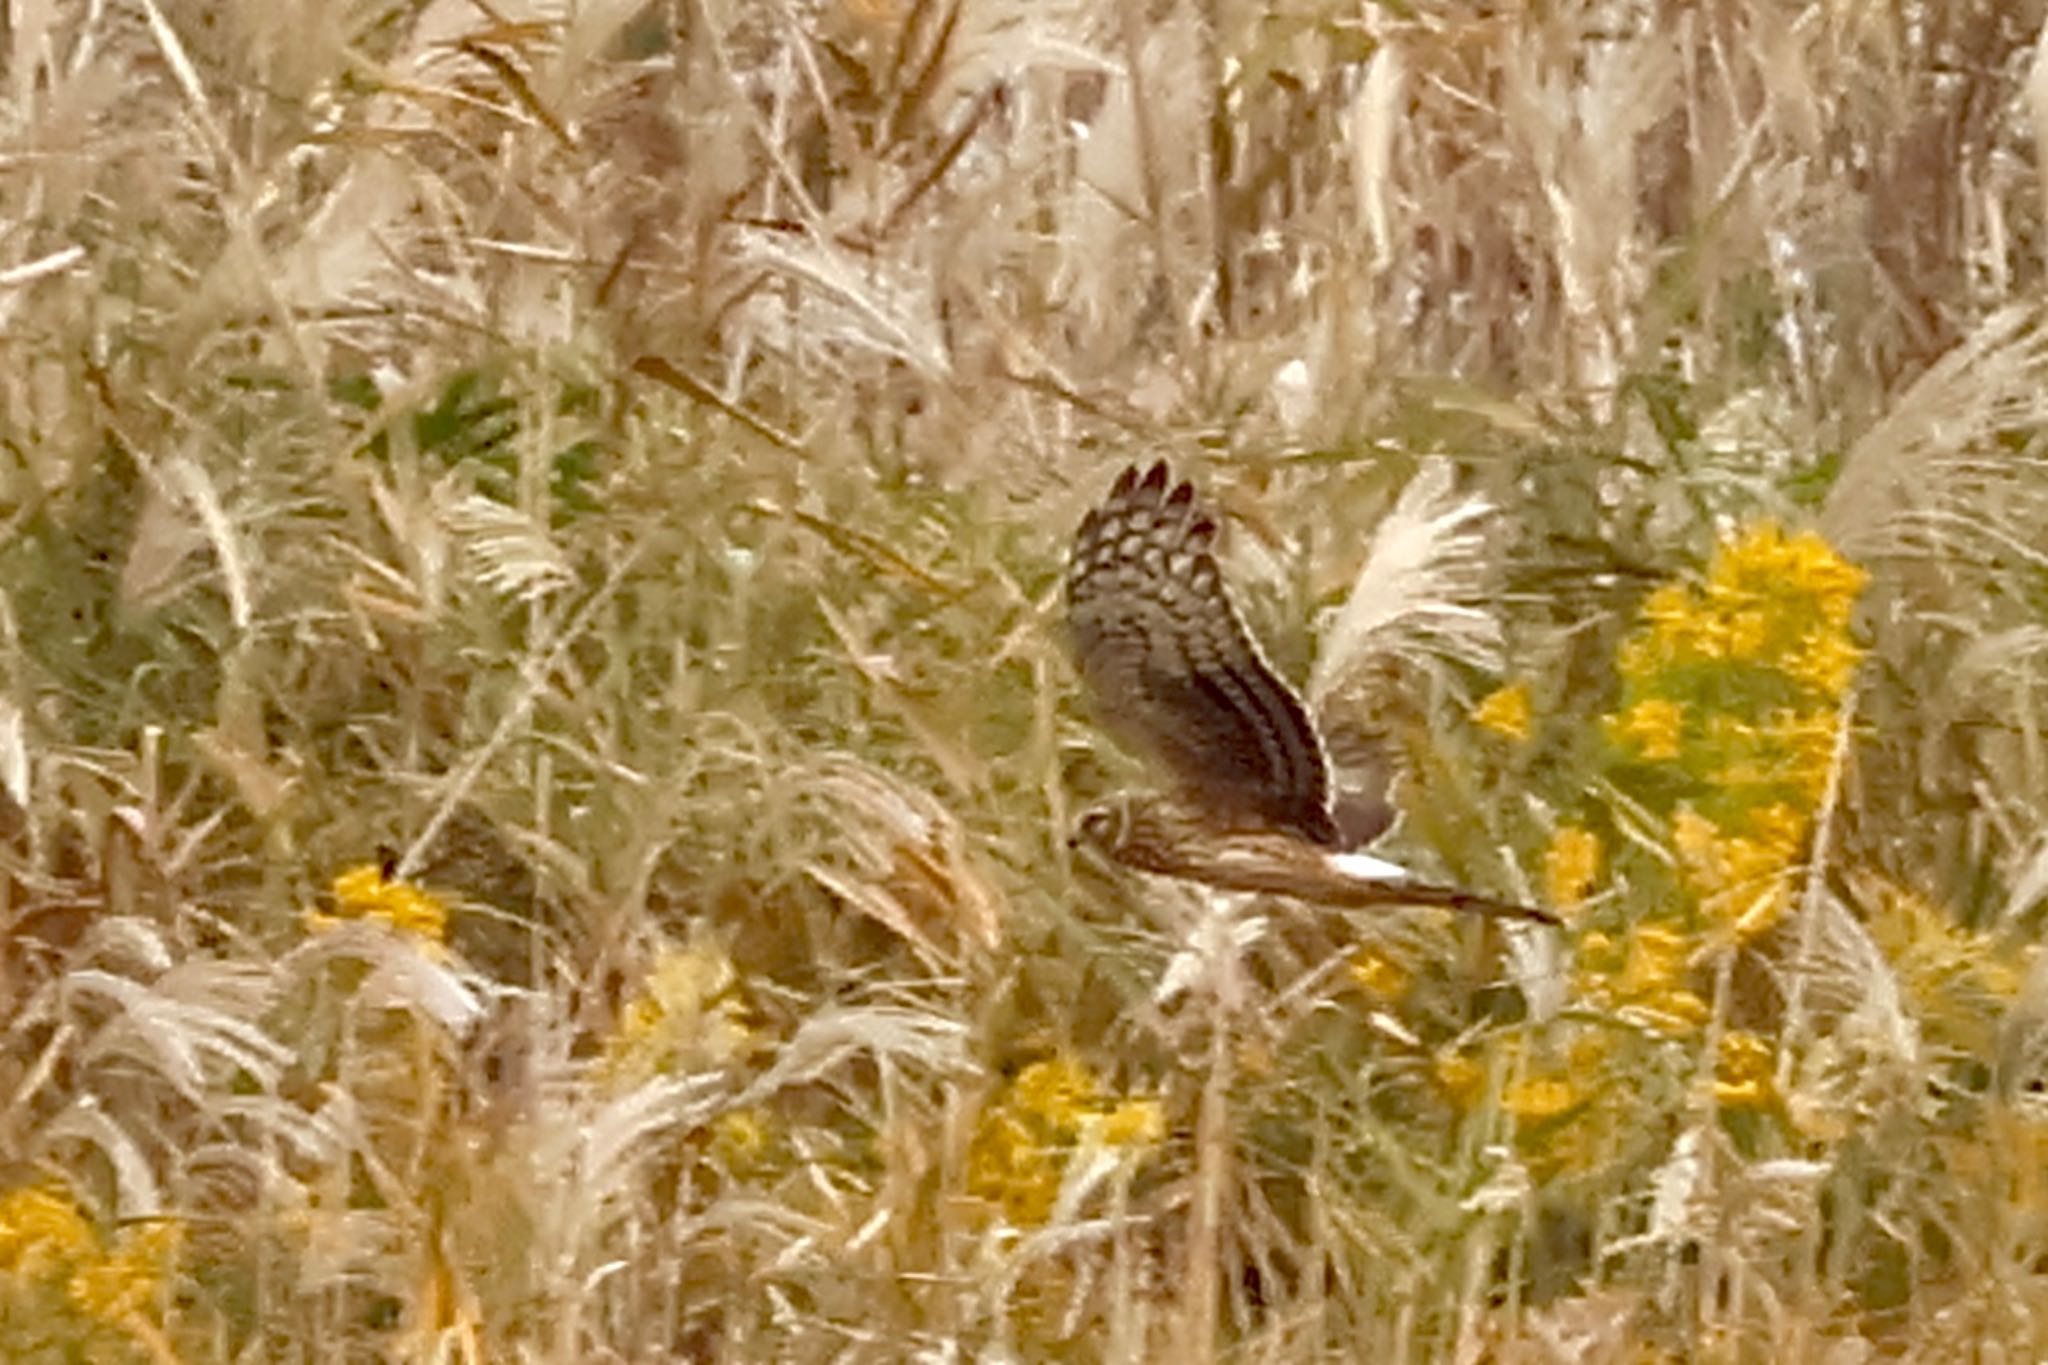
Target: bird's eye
(1096, 827)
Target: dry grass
(538, 751)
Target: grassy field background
(538, 750)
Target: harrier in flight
(1174, 672)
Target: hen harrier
(1174, 672)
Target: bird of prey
(1174, 672)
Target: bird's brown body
(1153, 834)
(1173, 670)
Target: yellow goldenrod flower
(1009, 1166)
(1669, 609)
(1571, 1116)
(1642, 657)
(1570, 866)
(1460, 1077)
(1709, 668)
(1959, 982)
(1747, 863)
(1780, 827)
(1743, 881)
(1677, 1012)
(1378, 975)
(1657, 956)
(1505, 711)
(1806, 740)
(51, 1253)
(1796, 579)
(40, 1227)
(1742, 1072)
(1646, 973)
(1693, 836)
(1764, 560)
(1654, 724)
(1824, 660)
(364, 892)
(685, 1017)
(1026, 1137)
(1590, 1050)
(740, 1139)
(124, 1284)
(1745, 633)
(1540, 1097)
(1599, 952)
(1058, 1090)
(1825, 574)
(1132, 1123)
(1763, 594)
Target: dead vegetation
(538, 754)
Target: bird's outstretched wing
(1173, 670)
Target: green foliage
(470, 426)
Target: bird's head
(1103, 829)
(1139, 831)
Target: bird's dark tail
(1368, 895)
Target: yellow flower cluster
(1505, 711)
(1732, 692)
(1783, 601)
(1378, 976)
(1569, 1114)
(1789, 751)
(1654, 725)
(1785, 753)
(1742, 1072)
(41, 1229)
(1727, 726)
(1958, 982)
(124, 1282)
(1570, 867)
(1644, 973)
(1743, 881)
(47, 1243)
(686, 1017)
(1026, 1137)
(365, 892)
(1711, 671)
(1539, 1097)
(1460, 1076)
(742, 1140)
